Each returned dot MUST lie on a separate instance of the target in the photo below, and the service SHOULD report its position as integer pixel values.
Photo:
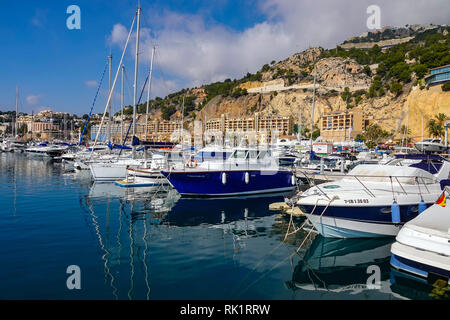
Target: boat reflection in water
(344, 266)
(144, 233)
(413, 287)
(192, 211)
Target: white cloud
(119, 34)
(91, 83)
(195, 53)
(33, 99)
(39, 18)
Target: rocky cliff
(353, 79)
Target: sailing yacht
(113, 170)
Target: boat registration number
(356, 201)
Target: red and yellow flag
(441, 200)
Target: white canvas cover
(434, 220)
(382, 173)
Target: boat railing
(419, 181)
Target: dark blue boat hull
(376, 214)
(209, 183)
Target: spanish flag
(441, 200)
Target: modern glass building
(438, 75)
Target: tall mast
(136, 76)
(148, 91)
(108, 129)
(122, 105)
(17, 111)
(299, 130)
(182, 120)
(32, 123)
(312, 108)
(113, 86)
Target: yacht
(430, 145)
(112, 170)
(247, 171)
(422, 246)
(374, 200)
(46, 150)
(13, 145)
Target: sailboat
(14, 144)
(116, 169)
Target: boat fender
(422, 206)
(224, 178)
(395, 212)
(247, 178)
(293, 180)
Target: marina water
(148, 243)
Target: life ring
(192, 163)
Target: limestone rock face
(298, 62)
(340, 72)
(277, 94)
(389, 112)
(424, 105)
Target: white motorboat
(115, 169)
(422, 246)
(374, 200)
(46, 150)
(430, 145)
(13, 145)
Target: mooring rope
(296, 251)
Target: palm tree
(434, 128)
(441, 118)
(436, 125)
(404, 130)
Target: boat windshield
(252, 154)
(264, 153)
(239, 154)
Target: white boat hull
(339, 228)
(103, 172)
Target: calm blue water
(150, 244)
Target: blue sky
(199, 41)
(51, 64)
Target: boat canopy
(433, 221)
(420, 156)
(384, 173)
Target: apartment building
(342, 125)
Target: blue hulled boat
(246, 172)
